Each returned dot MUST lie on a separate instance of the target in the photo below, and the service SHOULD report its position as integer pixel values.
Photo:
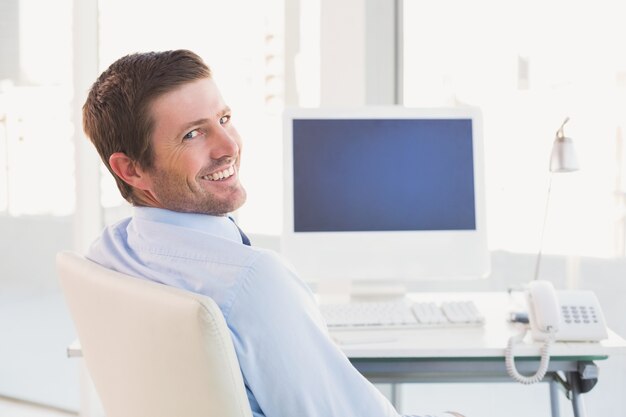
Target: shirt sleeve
(289, 363)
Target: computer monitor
(379, 194)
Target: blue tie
(244, 238)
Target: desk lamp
(563, 159)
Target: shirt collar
(220, 226)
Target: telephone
(575, 315)
(557, 316)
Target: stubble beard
(186, 197)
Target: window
(36, 152)
(527, 68)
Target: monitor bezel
(396, 256)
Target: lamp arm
(559, 133)
(543, 227)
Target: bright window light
(527, 72)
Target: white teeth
(220, 175)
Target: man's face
(197, 151)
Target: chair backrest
(152, 350)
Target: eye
(192, 134)
(225, 119)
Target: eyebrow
(187, 126)
(204, 120)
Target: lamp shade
(563, 157)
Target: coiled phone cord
(509, 359)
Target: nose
(225, 144)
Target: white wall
(28, 245)
(35, 327)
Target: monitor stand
(362, 290)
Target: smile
(220, 175)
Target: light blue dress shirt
(290, 365)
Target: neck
(145, 199)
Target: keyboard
(401, 314)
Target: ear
(129, 171)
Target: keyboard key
(461, 312)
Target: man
(165, 133)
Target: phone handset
(543, 311)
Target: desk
(474, 354)
(468, 354)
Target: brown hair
(116, 114)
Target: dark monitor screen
(352, 175)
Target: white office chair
(152, 350)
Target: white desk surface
(487, 341)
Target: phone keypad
(579, 314)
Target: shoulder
(271, 278)
(268, 260)
(271, 269)
(113, 239)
